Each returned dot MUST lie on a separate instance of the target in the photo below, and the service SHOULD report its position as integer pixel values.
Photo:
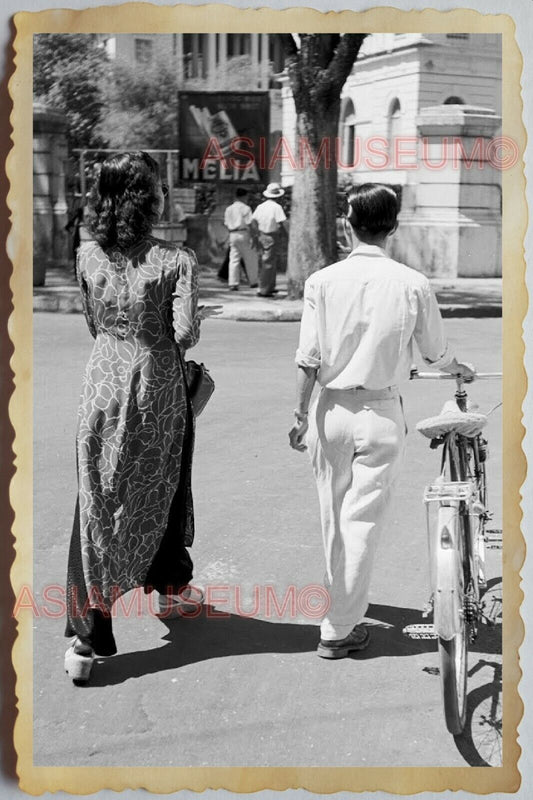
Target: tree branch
(288, 44)
(344, 58)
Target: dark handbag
(200, 385)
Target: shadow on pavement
(481, 743)
(216, 635)
(387, 624)
(210, 635)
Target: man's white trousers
(356, 440)
(240, 246)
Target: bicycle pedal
(493, 539)
(420, 631)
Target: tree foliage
(68, 72)
(141, 105)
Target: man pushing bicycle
(360, 320)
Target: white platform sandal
(79, 660)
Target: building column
(255, 58)
(211, 59)
(452, 225)
(222, 52)
(179, 59)
(265, 63)
(195, 50)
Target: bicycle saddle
(452, 419)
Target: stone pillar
(195, 55)
(211, 59)
(255, 59)
(59, 159)
(450, 224)
(179, 59)
(265, 63)
(50, 240)
(222, 53)
(288, 127)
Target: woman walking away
(134, 515)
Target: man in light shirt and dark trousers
(270, 218)
(238, 220)
(360, 321)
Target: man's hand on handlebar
(461, 369)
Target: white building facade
(419, 111)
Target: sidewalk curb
(70, 303)
(61, 303)
(484, 310)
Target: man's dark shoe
(340, 648)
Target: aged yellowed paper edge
(214, 18)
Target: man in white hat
(270, 218)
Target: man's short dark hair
(241, 192)
(373, 208)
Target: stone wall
(450, 224)
(50, 240)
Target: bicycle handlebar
(446, 376)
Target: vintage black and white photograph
(267, 399)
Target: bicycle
(457, 541)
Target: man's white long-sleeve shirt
(361, 318)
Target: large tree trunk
(312, 241)
(317, 65)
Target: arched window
(347, 132)
(453, 100)
(394, 122)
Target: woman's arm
(86, 297)
(186, 319)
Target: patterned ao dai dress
(134, 515)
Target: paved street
(250, 690)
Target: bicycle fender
(448, 590)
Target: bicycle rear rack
(449, 491)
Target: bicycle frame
(456, 547)
(450, 580)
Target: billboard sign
(224, 136)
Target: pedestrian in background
(271, 219)
(239, 222)
(360, 320)
(134, 515)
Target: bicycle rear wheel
(452, 582)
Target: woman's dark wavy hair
(123, 204)
(373, 208)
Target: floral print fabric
(141, 309)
